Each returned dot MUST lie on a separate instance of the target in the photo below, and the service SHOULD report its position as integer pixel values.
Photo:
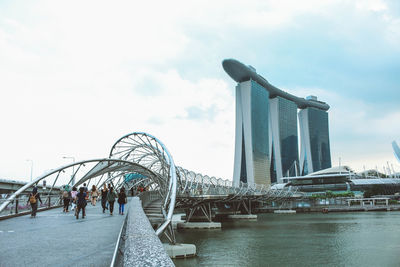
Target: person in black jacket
(104, 193)
(111, 196)
(122, 200)
(33, 199)
(81, 202)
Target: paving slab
(55, 238)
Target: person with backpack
(33, 199)
(111, 196)
(66, 198)
(81, 203)
(122, 200)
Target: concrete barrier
(142, 247)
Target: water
(313, 239)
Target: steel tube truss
(143, 155)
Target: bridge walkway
(55, 238)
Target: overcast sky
(76, 76)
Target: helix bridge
(141, 160)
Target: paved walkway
(54, 238)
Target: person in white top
(74, 192)
(94, 194)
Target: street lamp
(73, 169)
(31, 167)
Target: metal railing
(20, 205)
(147, 197)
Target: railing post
(16, 205)
(49, 201)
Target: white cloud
(76, 76)
(359, 134)
(372, 5)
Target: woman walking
(81, 201)
(32, 199)
(74, 192)
(111, 196)
(122, 200)
(66, 198)
(94, 194)
(104, 192)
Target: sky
(75, 76)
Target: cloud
(360, 132)
(76, 76)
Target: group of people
(79, 199)
(108, 197)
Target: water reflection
(334, 239)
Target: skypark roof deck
(240, 73)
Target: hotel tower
(266, 136)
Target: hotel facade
(266, 136)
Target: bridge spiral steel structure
(142, 154)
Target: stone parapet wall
(142, 246)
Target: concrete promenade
(55, 238)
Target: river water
(306, 239)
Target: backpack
(65, 194)
(32, 199)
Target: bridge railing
(21, 205)
(147, 197)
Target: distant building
(266, 142)
(340, 178)
(315, 152)
(284, 139)
(252, 158)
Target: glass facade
(243, 170)
(319, 139)
(273, 166)
(288, 136)
(260, 136)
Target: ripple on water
(314, 239)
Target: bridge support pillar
(243, 216)
(180, 250)
(199, 225)
(242, 207)
(199, 217)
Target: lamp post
(73, 169)
(31, 167)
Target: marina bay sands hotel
(266, 142)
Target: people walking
(66, 199)
(108, 188)
(81, 202)
(111, 196)
(94, 194)
(122, 200)
(33, 200)
(86, 191)
(74, 192)
(104, 192)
